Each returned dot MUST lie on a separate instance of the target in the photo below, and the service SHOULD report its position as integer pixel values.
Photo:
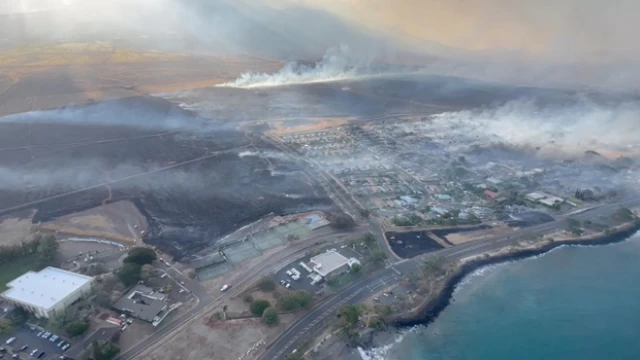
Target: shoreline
(429, 310)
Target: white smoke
(576, 127)
(337, 64)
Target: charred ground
(193, 186)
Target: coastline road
(304, 328)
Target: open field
(14, 230)
(120, 221)
(48, 76)
(220, 340)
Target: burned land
(199, 164)
(193, 185)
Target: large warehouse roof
(328, 262)
(45, 288)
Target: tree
(266, 284)
(369, 240)
(293, 238)
(270, 316)
(168, 288)
(5, 325)
(151, 276)
(129, 273)
(62, 318)
(77, 328)
(342, 222)
(350, 314)
(248, 298)
(141, 256)
(47, 249)
(298, 355)
(378, 257)
(365, 213)
(259, 306)
(97, 269)
(303, 298)
(299, 299)
(103, 351)
(355, 268)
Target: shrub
(266, 284)
(270, 316)
(141, 256)
(259, 306)
(248, 298)
(77, 328)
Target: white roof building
(47, 291)
(331, 263)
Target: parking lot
(27, 337)
(304, 282)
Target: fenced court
(241, 252)
(213, 271)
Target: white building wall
(59, 306)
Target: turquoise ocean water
(572, 303)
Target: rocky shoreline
(428, 311)
(431, 308)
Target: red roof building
(490, 194)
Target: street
(305, 327)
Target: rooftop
(328, 262)
(45, 288)
(142, 302)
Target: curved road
(208, 302)
(303, 329)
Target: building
(331, 263)
(47, 291)
(535, 196)
(143, 303)
(491, 194)
(544, 199)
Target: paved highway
(303, 329)
(207, 302)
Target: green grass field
(12, 270)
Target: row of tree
(45, 247)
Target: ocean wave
(381, 352)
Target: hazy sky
(538, 35)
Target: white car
(225, 288)
(288, 285)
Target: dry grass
(228, 340)
(14, 230)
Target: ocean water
(571, 303)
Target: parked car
(11, 340)
(54, 338)
(34, 352)
(24, 347)
(225, 288)
(64, 348)
(41, 355)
